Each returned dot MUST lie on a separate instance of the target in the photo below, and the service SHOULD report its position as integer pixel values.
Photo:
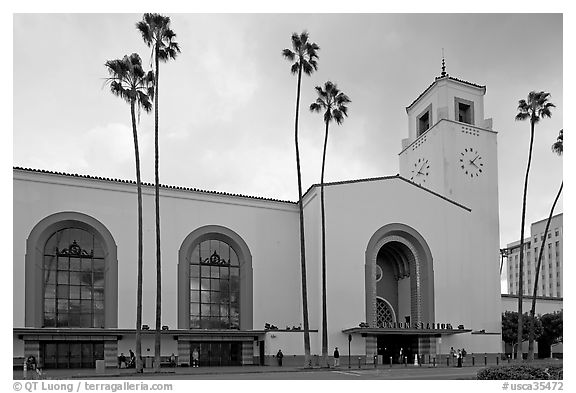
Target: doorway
(391, 345)
(218, 354)
(71, 354)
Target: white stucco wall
(355, 211)
(269, 228)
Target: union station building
(412, 259)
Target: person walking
(122, 359)
(336, 358)
(459, 358)
(195, 357)
(463, 355)
(132, 358)
(279, 356)
(452, 355)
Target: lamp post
(349, 340)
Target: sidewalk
(192, 371)
(131, 373)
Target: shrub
(520, 372)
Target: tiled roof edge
(168, 187)
(440, 78)
(387, 178)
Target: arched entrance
(399, 270)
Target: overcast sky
(227, 102)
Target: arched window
(214, 286)
(384, 313)
(73, 280)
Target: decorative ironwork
(384, 313)
(215, 259)
(74, 250)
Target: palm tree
(557, 148)
(535, 108)
(129, 81)
(304, 56)
(156, 33)
(333, 103)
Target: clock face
(471, 162)
(420, 171)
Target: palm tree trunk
(139, 285)
(157, 337)
(324, 311)
(307, 361)
(535, 291)
(521, 268)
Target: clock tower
(451, 148)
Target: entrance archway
(399, 269)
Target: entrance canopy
(404, 331)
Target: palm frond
(558, 146)
(315, 107)
(296, 43)
(295, 67)
(522, 116)
(321, 93)
(129, 81)
(144, 30)
(307, 67)
(288, 54)
(338, 116)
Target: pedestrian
(452, 355)
(336, 358)
(400, 358)
(132, 358)
(31, 366)
(122, 359)
(172, 360)
(195, 357)
(279, 356)
(459, 356)
(463, 355)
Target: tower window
(424, 120)
(464, 110)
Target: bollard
(497, 360)
(405, 361)
(25, 370)
(485, 360)
(508, 359)
(473, 359)
(375, 361)
(359, 359)
(434, 361)
(390, 361)
(447, 360)
(419, 361)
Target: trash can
(148, 363)
(100, 369)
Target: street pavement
(270, 373)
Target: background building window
(214, 286)
(73, 280)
